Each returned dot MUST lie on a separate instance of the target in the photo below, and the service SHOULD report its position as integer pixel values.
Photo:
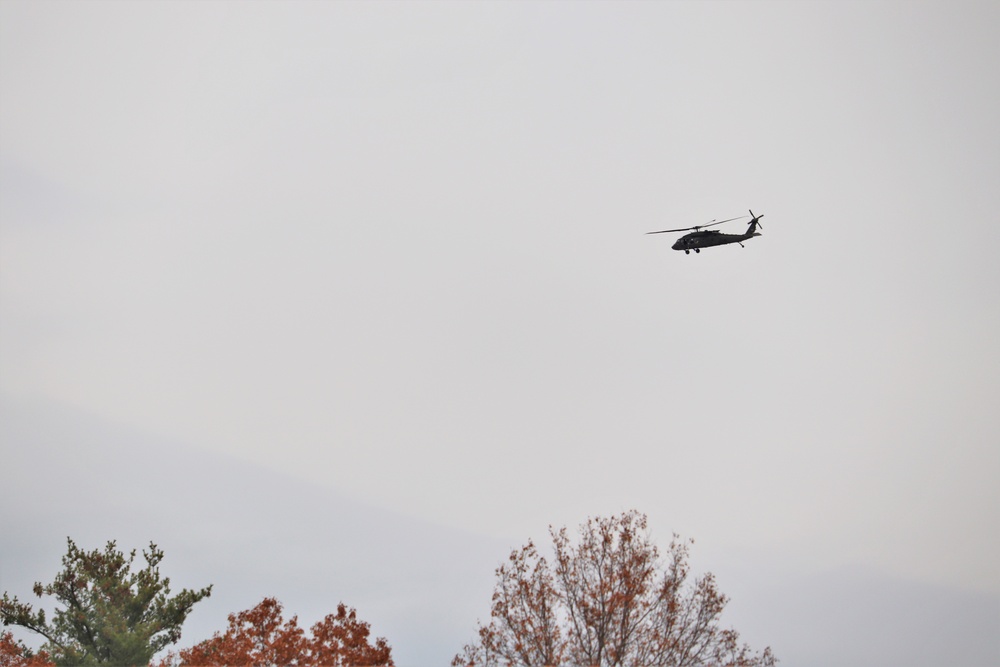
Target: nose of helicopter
(678, 245)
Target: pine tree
(111, 614)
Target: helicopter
(699, 239)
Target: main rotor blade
(729, 220)
(707, 224)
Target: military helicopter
(699, 239)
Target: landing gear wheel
(697, 249)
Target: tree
(16, 654)
(607, 600)
(262, 637)
(111, 614)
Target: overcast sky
(397, 252)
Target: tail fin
(754, 223)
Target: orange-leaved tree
(262, 637)
(15, 654)
(607, 601)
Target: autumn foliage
(607, 600)
(16, 654)
(262, 637)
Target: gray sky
(396, 252)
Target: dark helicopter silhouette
(699, 239)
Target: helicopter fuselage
(709, 237)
